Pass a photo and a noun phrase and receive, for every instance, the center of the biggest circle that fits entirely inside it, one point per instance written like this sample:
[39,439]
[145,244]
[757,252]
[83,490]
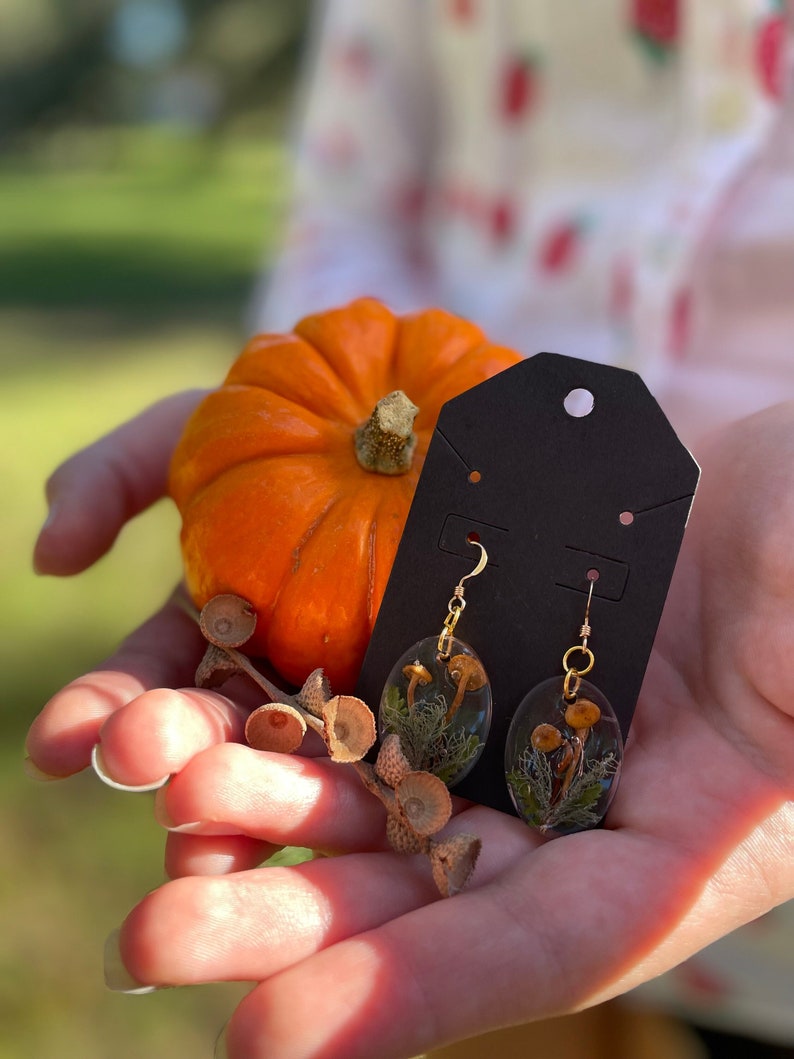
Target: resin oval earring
[437,697]
[564,747]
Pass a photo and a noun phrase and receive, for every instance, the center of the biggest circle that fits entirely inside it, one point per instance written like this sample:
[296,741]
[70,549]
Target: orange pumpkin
[275,504]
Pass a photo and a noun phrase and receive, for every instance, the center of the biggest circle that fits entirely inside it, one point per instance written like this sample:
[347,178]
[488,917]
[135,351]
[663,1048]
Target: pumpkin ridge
[382,521]
[357,374]
[330,417]
[296,551]
[448,338]
[199,493]
[321,624]
[371,609]
[332,371]
[271,372]
[306,412]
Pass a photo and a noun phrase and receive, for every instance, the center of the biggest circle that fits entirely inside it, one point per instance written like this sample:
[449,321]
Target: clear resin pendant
[563,757]
[440,706]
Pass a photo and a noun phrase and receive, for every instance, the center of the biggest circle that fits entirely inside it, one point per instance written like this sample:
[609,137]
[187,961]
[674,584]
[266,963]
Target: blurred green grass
[125,266]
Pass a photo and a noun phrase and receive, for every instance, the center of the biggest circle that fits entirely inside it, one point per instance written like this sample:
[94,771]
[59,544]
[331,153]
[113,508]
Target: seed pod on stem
[276,727]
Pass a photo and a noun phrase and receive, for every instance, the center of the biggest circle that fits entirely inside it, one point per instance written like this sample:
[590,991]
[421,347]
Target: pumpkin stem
[385,443]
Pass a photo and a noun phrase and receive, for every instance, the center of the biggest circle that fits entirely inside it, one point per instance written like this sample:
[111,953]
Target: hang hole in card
[579,402]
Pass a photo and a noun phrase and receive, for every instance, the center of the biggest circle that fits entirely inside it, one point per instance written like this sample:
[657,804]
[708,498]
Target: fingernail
[117,977]
[220,1046]
[209,828]
[35,773]
[98,765]
[52,514]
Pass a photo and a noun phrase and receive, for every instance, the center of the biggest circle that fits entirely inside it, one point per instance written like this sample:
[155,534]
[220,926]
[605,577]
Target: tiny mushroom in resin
[418,676]
[468,675]
[580,715]
[546,738]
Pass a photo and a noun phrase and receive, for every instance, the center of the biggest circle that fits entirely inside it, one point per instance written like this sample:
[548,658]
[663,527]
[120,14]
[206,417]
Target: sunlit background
[142,182]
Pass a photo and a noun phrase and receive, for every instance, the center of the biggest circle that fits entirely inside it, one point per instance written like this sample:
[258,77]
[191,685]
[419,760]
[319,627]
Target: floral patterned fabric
[612,180]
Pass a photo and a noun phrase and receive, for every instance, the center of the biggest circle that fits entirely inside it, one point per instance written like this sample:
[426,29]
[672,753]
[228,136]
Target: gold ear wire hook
[573,674]
[481,564]
[457,603]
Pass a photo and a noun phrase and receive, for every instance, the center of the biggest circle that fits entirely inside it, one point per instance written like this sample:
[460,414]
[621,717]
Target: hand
[91,497]
[356,956]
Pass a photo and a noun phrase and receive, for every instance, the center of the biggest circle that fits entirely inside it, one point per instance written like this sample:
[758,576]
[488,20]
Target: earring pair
[564,747]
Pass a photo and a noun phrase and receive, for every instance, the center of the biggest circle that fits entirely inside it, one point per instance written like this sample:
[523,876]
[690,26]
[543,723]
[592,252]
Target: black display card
[551,496]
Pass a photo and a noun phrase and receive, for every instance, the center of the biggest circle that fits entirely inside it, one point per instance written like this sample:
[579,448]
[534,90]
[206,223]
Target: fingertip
[58,745]
[160,731]
[117,978]
[69,541]
[50,557]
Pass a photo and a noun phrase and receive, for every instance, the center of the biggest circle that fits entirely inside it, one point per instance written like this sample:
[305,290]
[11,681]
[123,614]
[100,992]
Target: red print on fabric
[656,23]
[560,247]
[502,220]
[461,10]
[519,88]
[770,44]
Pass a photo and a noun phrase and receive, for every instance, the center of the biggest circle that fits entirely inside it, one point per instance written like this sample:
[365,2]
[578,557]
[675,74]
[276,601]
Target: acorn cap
[349,728]
[276,727]
[314,694]
[402,838]
[424,802]
[465,669]
[546,738]
[227,620]
[582,714]
[452,861]
[392,764]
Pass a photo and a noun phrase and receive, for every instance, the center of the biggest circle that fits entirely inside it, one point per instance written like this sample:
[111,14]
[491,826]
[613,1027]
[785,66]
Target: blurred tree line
[196,64]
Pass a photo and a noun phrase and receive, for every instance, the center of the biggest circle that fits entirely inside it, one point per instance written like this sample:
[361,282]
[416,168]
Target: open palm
[356,955]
